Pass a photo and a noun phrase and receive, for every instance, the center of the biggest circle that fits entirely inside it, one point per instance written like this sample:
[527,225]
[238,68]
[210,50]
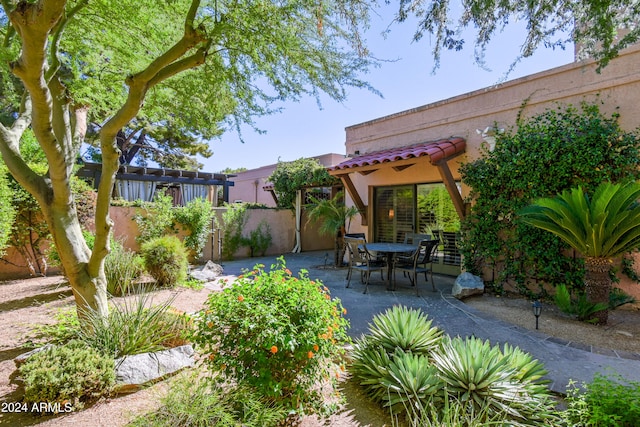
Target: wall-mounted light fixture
[392,213]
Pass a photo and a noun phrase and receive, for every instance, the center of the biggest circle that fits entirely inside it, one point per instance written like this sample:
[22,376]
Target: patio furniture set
[413,257]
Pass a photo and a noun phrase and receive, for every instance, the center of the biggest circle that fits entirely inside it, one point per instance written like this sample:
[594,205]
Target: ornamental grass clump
[275,332]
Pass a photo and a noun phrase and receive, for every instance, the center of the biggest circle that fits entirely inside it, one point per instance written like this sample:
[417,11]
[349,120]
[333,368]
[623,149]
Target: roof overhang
[437,152]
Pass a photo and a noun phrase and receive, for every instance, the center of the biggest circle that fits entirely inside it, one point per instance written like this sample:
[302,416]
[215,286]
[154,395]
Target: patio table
[389,250]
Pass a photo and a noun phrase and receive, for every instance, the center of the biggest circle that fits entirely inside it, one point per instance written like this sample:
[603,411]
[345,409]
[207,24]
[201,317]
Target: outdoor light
[391,213]
[537,309]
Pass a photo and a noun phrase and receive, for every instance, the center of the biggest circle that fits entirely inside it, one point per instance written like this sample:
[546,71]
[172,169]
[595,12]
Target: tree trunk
[339,248]
[598,285]
[89,290]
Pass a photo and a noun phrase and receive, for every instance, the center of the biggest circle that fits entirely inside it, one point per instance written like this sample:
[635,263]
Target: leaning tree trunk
[598,285]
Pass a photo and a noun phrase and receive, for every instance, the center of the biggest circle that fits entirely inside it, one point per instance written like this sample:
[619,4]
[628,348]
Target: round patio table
[389,250]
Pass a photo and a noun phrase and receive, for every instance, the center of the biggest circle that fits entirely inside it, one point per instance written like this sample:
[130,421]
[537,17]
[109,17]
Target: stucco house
[394,161]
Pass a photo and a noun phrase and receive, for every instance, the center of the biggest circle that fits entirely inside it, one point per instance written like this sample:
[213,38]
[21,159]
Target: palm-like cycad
[334,215]
[601,228]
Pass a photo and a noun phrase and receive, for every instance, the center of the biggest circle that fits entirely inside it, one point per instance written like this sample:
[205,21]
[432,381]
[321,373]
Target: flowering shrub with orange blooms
[276,332]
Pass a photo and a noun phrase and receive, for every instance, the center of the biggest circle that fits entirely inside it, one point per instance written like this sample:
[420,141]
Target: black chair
[360,259]
[420,262]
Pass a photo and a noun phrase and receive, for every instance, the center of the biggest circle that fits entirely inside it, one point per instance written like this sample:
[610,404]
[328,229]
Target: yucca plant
[499,383]
[405,328]
[601,227]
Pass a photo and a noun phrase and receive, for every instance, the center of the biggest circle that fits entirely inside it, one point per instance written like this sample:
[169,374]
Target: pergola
[138,182]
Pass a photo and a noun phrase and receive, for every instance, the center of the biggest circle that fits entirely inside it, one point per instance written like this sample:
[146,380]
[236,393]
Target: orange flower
[310,354]
[212,356]
[344,311]
[240,298]
[209,325]
[326,296]
[274,349]
[342,368]
[316,348]
[288,271]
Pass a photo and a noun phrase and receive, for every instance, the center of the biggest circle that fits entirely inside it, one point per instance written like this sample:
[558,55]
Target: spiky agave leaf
[370,364]
[412,382]
[502,383]
[405,328]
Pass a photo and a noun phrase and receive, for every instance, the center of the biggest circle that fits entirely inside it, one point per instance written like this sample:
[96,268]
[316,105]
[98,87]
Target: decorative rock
[207,272]
[134,371]
[466,285]
[24,356]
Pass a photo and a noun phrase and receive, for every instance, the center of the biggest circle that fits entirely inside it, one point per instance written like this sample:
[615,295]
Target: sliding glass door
[394,213]
[420,208]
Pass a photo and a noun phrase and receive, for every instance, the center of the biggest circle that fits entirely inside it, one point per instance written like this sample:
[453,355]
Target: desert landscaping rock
[207,273]
[466,285]
[137,370]
[24,356]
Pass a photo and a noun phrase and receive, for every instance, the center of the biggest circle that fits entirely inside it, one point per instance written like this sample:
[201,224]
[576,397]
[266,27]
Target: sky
[302,129]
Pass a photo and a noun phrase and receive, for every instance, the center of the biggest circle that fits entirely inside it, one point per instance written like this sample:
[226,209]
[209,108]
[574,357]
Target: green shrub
[196,218]
[276,333]
[232,223]
[259,239]
[157,219]
[121,268]
[63,330]
[165,258]
[133,327]
[70,374]
[197,402]
[7,211]
[606,401]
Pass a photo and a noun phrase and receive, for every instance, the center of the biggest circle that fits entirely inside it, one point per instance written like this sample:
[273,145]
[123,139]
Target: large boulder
[466,285]
[134,371]
[207,273]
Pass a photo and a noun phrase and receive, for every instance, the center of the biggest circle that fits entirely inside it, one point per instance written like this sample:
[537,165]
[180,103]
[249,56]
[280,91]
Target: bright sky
[304,130]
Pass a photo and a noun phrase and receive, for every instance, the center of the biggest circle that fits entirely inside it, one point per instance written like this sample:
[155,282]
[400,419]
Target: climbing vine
[288,177]
[556,150]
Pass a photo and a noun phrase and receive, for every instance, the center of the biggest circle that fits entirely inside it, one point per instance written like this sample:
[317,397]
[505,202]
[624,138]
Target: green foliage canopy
[289,177]
[559,149]
[600,28]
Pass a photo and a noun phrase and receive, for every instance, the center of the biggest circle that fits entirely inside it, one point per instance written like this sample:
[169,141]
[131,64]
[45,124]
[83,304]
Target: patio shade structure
[137,182]
[439,153]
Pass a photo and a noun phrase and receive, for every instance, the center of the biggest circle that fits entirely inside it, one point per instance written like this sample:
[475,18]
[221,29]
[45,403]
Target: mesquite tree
[67,63]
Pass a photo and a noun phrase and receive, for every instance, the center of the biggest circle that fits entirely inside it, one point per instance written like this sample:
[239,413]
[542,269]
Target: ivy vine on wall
[546,154]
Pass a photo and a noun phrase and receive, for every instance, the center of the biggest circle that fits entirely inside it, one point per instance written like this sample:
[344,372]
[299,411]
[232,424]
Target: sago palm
[601,228]
[333,216]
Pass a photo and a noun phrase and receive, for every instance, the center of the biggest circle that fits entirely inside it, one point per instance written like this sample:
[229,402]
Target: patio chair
[420,262]
[360,259]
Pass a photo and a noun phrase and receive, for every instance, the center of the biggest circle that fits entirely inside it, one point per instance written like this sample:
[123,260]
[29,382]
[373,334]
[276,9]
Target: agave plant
[601,228]
[493,382]
[370,364]
[411,383]
[405,328]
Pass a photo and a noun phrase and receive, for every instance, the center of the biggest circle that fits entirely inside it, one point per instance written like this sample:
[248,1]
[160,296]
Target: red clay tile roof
[436,150]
